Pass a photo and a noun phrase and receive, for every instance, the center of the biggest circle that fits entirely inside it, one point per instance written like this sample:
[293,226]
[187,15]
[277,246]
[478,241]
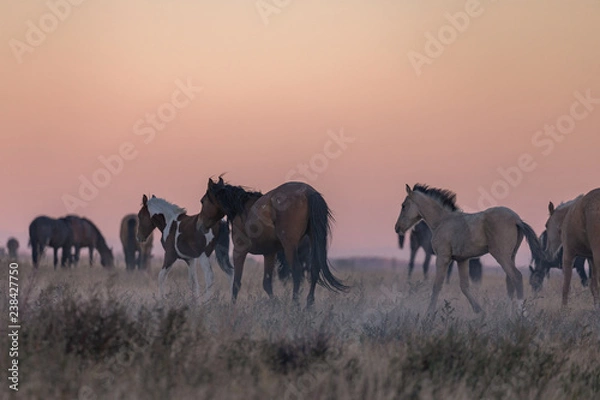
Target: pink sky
[272,92]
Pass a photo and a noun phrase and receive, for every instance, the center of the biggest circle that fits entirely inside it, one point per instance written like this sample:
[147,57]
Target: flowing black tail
[318,231]
[537,253]
[222,248]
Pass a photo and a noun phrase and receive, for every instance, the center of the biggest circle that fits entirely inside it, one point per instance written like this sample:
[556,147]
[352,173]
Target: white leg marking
[162,277]
[195,286]
[209,277]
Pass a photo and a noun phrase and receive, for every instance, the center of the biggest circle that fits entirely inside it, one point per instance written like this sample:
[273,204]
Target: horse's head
[554,229]
[145,224]
[537,271]
[106,258]
[409,213]
[212,211]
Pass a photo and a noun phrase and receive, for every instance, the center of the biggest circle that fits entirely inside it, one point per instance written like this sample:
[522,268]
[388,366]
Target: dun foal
[460,236]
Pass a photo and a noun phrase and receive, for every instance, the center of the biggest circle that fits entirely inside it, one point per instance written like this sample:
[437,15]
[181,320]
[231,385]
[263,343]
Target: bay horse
[86,234]
[266,224]
[136,253]
[56,233]
[542,271]
[420,237]
[181,240]
[579,235]
[13,249]
[461,236]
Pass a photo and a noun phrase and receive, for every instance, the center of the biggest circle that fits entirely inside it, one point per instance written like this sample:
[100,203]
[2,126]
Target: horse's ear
[153,196]
[210,182]
[531,269]
[221,180]
[408,190]
[144,200]
[551,208]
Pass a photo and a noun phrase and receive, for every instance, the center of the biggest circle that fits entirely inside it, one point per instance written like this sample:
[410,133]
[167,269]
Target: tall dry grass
[88,333]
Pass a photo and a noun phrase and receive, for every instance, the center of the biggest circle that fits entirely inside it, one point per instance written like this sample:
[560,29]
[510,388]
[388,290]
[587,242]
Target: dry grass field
[88,333]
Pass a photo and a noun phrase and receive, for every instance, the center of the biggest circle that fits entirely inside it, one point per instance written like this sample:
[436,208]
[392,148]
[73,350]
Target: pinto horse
[56,233]
[281,219]
[181,240]
[460,236]
[86,234]
[131,246]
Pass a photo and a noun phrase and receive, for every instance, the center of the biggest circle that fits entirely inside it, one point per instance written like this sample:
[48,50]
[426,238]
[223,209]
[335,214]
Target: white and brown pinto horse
[181,240]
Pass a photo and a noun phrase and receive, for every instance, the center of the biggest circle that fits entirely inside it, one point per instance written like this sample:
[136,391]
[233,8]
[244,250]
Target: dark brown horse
[579,235]
[13,249]
[266,224]
[56,233]
[540,269]
[86,234]
[136,253]
[420,237]
[181,240]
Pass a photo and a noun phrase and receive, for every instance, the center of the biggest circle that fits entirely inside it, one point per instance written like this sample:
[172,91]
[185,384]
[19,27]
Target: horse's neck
[432,212]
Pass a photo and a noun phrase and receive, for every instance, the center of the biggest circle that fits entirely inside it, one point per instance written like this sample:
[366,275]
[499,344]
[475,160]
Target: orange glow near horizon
[273,95]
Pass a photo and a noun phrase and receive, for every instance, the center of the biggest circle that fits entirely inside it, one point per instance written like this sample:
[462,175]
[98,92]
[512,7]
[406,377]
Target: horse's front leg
[209,276]
[269,260]
[239,258]
[567,272]
[55,257]
[168,262]
[442,262]
[463,276]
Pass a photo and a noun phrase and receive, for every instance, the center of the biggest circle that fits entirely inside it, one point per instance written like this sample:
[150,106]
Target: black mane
[232,199]
[446,197]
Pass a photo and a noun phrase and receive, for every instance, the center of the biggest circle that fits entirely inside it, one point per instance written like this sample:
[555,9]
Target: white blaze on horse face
[209,236]
[170,211]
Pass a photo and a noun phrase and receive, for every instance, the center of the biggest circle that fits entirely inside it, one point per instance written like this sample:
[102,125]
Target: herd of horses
[290,226]
[72,233]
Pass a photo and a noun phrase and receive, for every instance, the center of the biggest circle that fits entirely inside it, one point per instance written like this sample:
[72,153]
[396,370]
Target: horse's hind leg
[580,268]
[463,276]
[297,272]
[269,260]
[449,272]
[426,264]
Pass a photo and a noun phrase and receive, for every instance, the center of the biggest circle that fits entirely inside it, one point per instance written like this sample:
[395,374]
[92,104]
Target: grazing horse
[461,236]
[420,237]
[266,224]
[537,276]
[131,245]
[13,249]
[86,234]
[56,233]
[181,240]
[579,235]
